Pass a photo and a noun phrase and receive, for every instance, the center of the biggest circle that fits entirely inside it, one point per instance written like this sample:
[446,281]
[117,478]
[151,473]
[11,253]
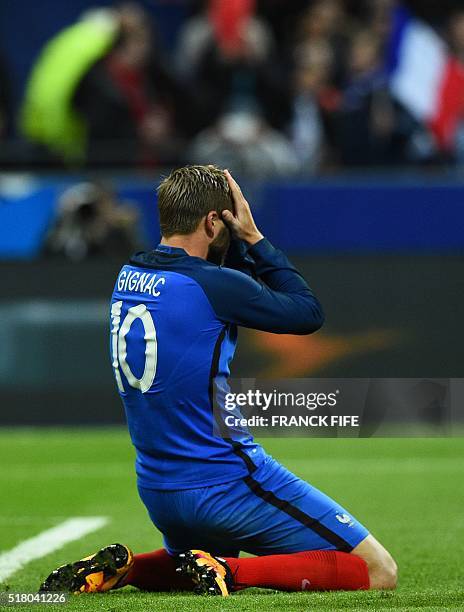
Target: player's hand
[241,224]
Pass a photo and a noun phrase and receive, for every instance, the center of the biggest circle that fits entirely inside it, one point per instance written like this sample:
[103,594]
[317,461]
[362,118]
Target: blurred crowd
[266,89]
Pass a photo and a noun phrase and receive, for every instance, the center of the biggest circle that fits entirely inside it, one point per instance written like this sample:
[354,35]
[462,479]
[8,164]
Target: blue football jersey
[174,324]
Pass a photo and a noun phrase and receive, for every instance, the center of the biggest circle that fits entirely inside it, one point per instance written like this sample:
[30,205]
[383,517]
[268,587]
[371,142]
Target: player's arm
[288,307]
[237,258]
[282,302]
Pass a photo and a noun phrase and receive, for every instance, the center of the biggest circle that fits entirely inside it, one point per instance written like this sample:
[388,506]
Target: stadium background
[379,235]
[373,214]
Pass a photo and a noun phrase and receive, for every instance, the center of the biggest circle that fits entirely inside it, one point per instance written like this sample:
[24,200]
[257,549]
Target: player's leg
[309,541]
[175,514]
[383,571]
[115,566]
[369,565]
[156,571]
[272,512]
[285,515]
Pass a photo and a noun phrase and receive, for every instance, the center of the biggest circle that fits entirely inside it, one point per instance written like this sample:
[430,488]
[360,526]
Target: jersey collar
[169,250]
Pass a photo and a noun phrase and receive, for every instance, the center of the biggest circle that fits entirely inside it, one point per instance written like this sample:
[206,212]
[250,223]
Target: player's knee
[383,573]
[381,566]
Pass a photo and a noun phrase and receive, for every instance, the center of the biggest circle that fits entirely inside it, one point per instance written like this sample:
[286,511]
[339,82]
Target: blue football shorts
[269,512]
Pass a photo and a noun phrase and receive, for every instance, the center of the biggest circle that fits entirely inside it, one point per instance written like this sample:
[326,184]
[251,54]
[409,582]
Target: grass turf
[409,492]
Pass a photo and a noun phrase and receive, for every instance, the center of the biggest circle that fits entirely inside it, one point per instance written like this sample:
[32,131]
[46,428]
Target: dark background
[387,316]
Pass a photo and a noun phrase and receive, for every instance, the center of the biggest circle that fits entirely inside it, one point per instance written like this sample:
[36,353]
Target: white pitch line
[46,542]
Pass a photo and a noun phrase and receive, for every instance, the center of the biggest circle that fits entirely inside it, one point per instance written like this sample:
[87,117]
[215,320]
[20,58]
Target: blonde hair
[190,193]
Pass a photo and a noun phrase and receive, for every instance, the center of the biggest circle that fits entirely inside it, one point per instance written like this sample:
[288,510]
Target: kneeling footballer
[174,318]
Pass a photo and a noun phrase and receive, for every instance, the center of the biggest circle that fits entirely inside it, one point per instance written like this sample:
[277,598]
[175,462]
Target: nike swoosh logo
[305,584]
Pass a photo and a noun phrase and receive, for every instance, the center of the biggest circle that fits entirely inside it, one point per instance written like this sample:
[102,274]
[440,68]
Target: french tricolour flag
[424,77]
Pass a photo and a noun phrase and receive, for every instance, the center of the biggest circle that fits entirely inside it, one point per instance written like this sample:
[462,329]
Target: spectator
[325,22]
[456,35]
[91,223]
[228,53]
[456,40]
[100,92]
[129,100]
[48,117]
[283,17]
[378,20]
[322,20]
[242,141]
[314,102]
[205,29]
[366,114]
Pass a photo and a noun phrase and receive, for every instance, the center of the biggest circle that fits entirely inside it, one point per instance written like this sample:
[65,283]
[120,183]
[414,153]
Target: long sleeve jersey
[174,321]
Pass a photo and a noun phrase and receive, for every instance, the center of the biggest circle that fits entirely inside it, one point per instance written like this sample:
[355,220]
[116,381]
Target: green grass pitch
[409,492]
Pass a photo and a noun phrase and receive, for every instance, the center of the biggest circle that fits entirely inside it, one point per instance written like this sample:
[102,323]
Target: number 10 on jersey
[119,332]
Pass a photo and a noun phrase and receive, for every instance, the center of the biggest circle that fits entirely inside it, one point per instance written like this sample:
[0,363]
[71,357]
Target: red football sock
[156,571]
[317,570]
